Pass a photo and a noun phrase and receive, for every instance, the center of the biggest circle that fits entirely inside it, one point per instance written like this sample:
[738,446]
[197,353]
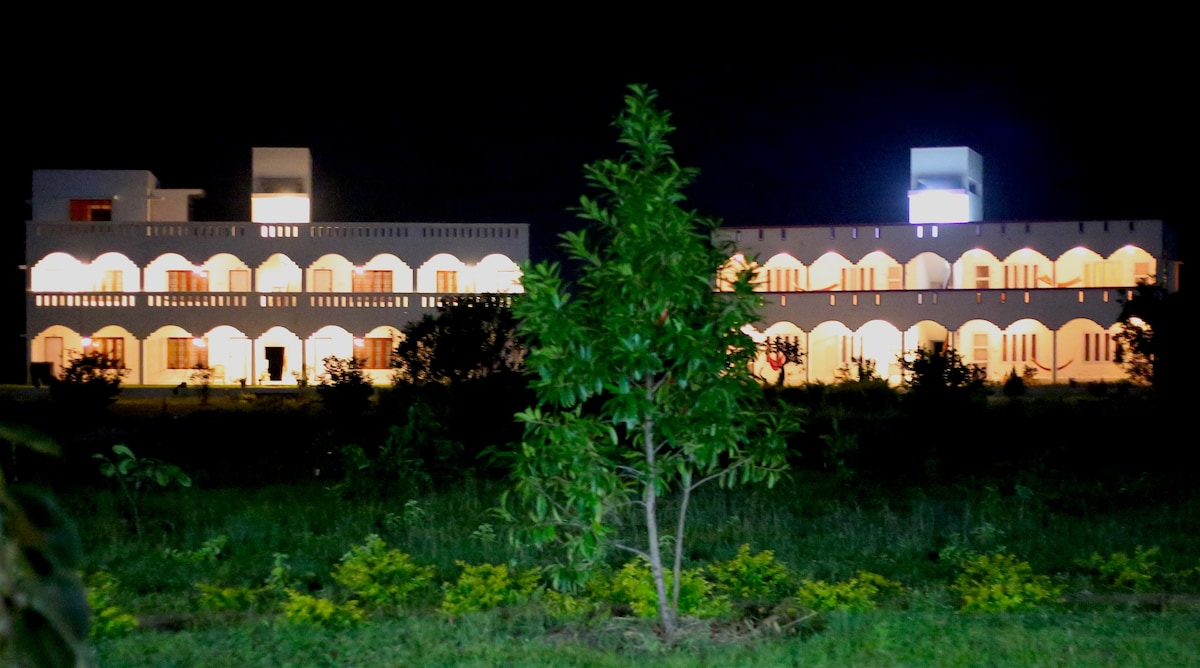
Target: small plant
[134,473]
[1001,583]
[485,534]
[1121,571]
[1014,385]
[488,586]
[208,552]
[751,577]
[858,594]
[413,515]
[380,577]
[108,621]
[633,586]
[307,610]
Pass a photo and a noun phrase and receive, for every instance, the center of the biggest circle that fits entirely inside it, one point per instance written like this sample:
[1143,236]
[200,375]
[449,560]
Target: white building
[116,265]
[1005,295]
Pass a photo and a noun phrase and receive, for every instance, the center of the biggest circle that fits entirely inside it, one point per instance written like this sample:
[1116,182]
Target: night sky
[1076,134]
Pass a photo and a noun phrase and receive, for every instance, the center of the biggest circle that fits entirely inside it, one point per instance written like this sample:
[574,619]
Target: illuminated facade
[1042,296]
[116,265]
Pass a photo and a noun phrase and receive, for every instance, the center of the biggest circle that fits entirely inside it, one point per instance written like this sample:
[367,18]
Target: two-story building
[116,265]
[1005,295]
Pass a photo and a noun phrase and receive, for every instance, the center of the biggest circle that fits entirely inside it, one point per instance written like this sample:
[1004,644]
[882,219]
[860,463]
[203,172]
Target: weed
[380,577]
[751,577]
[488,586]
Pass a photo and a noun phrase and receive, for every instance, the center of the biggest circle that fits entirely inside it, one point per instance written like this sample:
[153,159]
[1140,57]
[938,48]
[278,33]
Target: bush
[487,586]
[108,621]
[1000,583]
[751,577]
[307,610]
[1120,571]
[857,594]
[89,382]
[378,576]
[633,586]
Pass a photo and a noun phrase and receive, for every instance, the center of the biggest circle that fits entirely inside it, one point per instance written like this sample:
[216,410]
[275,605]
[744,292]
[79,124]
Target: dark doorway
[275,362]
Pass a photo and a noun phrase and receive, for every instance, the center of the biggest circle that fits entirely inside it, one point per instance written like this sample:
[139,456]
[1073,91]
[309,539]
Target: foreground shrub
[488,586]
[307,610]
[1000,583]
[380,577]
[273,590]
[108,621]
[1120,571]
[751,577]
[858,594]
[633,586]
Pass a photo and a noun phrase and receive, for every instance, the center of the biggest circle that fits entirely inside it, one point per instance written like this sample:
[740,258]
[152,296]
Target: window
[239,280]
[1018,348]
[187,281]
[447,281]
[377,353]
[979,349]
[783,280]
[91,210]
[1097,347]
[1020,276]
[372,281]
[113,281]
[895,278]
[184,353]
[112,347]
[983,276]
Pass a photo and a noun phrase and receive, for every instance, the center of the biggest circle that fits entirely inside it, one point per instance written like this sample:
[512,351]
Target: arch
[57,272]
[227,273]
[769,369]
[441,274]
[977,269]
[1086,352]
[1133,265]
[230,353]
[156,276]
[830,347]
[279,359]
[732,268]
[171,354]
[54,345]
[278,273]
[1026,344]
[1027,269]
[329,341]
[978,342]
[1071,267]
[927,271]
[497,273]
[782,273]
[827,272]
[875,271]
[882,343]
[114,272]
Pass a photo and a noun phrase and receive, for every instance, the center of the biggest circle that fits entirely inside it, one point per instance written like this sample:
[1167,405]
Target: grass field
[1119,543]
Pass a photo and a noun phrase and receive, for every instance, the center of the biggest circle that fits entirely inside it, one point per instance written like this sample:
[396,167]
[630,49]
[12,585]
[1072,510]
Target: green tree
[470,337]
[1150,343]
[642,375]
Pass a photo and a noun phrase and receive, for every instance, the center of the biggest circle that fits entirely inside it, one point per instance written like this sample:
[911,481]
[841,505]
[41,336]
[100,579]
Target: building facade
[1040,298]
[116,265]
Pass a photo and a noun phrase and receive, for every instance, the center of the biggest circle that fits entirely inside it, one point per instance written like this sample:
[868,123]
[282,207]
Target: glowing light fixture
[199,342]
[938,206]
[87,342]
[358,343]
[280,208]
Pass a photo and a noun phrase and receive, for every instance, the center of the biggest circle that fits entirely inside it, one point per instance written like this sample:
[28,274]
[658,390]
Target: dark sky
[806,139]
